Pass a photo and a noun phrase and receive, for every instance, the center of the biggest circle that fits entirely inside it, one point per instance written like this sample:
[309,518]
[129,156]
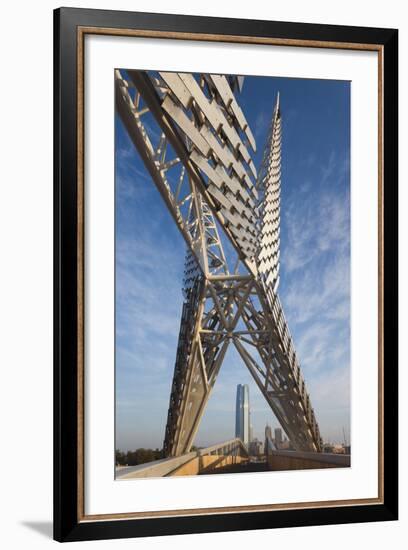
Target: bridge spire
[269,186]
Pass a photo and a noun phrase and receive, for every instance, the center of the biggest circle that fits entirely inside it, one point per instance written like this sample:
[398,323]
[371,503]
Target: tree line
[138,456]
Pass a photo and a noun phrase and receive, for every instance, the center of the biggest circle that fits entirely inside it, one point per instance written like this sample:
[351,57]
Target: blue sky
[315,271]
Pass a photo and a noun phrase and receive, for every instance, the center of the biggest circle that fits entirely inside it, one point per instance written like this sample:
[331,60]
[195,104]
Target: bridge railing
[216,456]
[299,460]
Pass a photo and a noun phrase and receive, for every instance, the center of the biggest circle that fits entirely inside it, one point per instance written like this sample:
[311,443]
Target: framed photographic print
[225,274]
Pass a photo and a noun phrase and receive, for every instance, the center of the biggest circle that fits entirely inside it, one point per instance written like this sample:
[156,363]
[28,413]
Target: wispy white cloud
[327,170]
[315,224]
[324,292]
[316,289]
[144,275]
[262,121]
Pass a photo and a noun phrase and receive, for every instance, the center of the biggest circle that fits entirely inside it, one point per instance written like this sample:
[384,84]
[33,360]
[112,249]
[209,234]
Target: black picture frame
[68,525]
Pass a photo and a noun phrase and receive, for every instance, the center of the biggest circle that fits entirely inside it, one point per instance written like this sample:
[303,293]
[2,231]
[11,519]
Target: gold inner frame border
[145,33]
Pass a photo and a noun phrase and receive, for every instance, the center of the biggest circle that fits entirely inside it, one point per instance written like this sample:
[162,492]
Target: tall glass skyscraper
[242,420]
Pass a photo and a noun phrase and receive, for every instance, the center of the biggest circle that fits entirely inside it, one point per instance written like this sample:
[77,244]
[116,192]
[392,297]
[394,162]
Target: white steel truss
[202,167]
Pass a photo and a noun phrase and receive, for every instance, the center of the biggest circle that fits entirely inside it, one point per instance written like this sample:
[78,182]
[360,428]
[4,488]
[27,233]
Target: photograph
[232,274]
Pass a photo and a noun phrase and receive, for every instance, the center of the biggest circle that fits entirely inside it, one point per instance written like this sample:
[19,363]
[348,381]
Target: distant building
[269,442]
[242,422]
[278,437]
[285,445]
[256,447]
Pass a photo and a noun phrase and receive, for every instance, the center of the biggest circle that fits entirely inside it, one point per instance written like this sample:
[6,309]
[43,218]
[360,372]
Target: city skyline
[315,249]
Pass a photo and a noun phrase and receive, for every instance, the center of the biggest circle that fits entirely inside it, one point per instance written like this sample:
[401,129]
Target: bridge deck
[232,457]
[243,468]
